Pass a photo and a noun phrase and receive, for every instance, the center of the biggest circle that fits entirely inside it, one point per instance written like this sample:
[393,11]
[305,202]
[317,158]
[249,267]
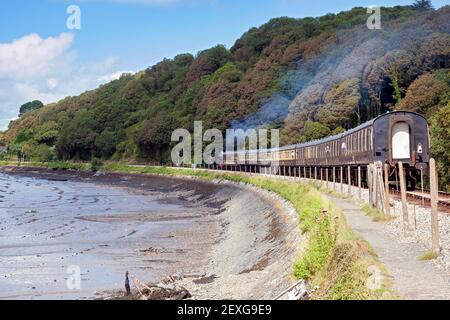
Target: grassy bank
[334,260]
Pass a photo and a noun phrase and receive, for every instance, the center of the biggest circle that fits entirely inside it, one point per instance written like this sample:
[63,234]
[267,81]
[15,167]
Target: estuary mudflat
[151,226]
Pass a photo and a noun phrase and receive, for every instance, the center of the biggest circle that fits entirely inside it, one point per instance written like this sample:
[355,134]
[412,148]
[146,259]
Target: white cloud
[52,83]
[30,92]
[31,55]
[113,76]
[32,68]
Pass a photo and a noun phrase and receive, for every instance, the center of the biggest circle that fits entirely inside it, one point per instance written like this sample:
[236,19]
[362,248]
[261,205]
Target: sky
[41,58]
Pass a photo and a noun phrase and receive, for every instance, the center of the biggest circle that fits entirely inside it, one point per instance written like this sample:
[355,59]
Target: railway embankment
[337,263]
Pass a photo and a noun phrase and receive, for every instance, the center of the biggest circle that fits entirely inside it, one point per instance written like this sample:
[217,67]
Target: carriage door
[401,141]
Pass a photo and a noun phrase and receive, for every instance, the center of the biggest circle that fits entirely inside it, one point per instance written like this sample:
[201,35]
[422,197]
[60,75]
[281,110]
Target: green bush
[96,164]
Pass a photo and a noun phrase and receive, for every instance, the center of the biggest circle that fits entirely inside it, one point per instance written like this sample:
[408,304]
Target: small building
[3,149]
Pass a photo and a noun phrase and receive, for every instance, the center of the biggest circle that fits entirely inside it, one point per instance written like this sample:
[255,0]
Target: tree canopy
[30,106]
[310,77]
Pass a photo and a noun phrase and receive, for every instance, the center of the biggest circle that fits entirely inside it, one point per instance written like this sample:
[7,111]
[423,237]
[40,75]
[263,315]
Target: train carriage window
[364,140]
[360,137]
[345,145]
[351,143]
[359,141]
[368,139]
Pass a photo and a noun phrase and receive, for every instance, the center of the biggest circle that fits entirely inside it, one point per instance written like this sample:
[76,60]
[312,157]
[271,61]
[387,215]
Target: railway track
[423,198]
[416,197]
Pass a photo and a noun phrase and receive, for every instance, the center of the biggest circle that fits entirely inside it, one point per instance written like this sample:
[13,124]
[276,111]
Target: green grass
[429,255]
[334,258]
[376,214]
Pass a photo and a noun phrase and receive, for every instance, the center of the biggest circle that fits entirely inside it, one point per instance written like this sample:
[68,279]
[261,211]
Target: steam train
[389,138]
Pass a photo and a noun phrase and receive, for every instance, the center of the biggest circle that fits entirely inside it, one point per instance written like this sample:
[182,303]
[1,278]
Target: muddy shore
[221,240]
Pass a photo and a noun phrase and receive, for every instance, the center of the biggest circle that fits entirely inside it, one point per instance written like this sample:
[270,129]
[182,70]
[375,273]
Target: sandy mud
[224,240]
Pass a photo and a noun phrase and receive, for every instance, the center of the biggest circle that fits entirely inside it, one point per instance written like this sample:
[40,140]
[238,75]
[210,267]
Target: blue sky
[41,59]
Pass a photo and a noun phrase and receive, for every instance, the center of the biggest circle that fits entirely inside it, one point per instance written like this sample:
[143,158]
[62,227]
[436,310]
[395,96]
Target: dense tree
[427,93]
[315,130]
[316,75]
[440,143]
[422,5]
[30,106]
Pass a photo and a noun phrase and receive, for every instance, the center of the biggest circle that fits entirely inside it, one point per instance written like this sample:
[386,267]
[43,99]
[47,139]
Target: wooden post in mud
[359,184]
[435,247]
[127,284]
[403,195]
[342,179]
[387,201]
[349,176]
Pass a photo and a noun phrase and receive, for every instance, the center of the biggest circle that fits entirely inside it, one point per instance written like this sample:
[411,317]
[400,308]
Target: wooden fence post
[403,194]
[321,177]
[326,177]
[370,184]
[359,183]
[334,178]
[434,208]
[349,177]
[386,190]
[380,187]
[342,179]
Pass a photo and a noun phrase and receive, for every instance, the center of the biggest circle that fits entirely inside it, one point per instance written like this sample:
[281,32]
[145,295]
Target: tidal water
[48,226]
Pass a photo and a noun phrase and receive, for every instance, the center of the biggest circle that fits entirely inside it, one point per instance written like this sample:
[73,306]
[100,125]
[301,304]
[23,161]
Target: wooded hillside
[310,77]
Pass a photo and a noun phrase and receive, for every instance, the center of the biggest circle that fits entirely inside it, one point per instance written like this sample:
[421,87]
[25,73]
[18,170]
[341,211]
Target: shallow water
[47,226]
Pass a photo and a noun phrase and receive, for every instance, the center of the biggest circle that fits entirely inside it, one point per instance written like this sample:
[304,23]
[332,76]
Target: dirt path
[412,278]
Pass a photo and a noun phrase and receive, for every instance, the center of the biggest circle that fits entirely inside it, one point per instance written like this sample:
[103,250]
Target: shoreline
[252,238]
